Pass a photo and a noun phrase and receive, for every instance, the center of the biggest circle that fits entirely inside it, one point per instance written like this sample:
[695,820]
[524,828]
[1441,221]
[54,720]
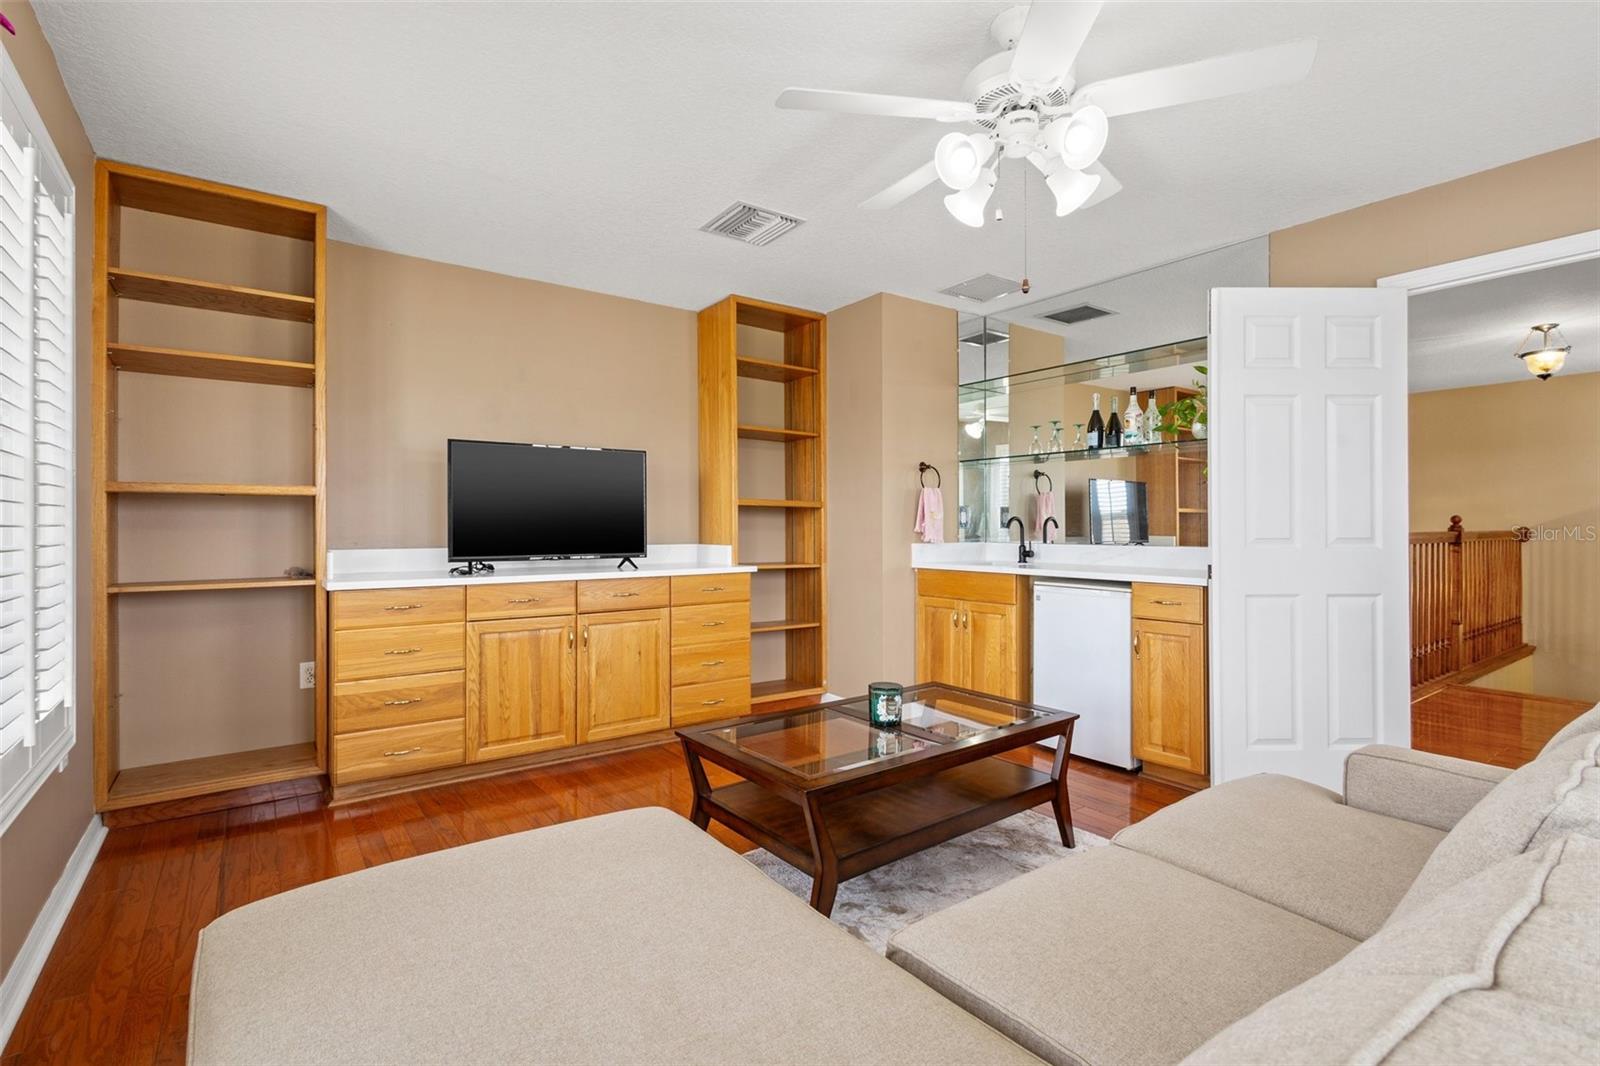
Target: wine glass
[1077,437]
[1055,435]
[1037,446]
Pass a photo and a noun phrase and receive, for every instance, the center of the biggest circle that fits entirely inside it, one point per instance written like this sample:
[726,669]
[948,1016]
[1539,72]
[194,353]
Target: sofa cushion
[1113,957]
[1500,968]
[631,937]
[1292,844]
[1587,722]
[1555,794]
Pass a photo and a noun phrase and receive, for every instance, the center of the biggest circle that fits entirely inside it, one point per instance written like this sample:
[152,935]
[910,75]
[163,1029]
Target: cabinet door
[521,683]
[941,642]
[624,664]
[1169,694]
[992,652]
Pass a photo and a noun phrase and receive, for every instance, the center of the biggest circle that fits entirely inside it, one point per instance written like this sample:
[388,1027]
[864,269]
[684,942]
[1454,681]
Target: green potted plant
[1187,413]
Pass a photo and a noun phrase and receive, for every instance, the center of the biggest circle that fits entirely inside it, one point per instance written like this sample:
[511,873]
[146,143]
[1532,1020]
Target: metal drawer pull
[525,599]
[402,751]
[712,703]
[403,607]
[715,588]
[401,703]
[1136,642]
[711,625]
[1167,603]
[570,638]
[713,662]
[403,651]
[623,595]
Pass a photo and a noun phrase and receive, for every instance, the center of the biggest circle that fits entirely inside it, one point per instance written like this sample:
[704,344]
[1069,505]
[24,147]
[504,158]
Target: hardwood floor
[1488,725]
[115,988]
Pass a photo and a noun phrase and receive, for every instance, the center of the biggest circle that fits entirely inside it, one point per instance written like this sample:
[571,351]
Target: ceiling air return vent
[751,224]
[1071,316]
[983,288]
[986,336]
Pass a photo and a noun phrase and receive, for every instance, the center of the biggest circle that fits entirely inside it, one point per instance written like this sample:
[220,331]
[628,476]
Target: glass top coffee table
[835,796]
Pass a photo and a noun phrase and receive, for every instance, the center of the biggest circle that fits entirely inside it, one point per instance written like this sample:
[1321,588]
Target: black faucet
[1045,532]
[1024,553]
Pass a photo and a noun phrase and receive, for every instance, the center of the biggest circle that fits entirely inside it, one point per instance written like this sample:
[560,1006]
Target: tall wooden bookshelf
[793,361]
[117,187]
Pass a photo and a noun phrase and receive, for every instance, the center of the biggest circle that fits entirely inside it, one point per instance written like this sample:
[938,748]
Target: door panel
[624,660]
[941,643]
[1309,523]
[520,686]
[1169,694]
[991,636]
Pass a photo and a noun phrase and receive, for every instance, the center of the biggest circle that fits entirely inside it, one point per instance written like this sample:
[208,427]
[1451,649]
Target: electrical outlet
[308,675]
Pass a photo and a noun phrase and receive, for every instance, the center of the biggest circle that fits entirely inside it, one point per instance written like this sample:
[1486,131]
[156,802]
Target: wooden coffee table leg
[1059,802]
[825,875]
[701,787]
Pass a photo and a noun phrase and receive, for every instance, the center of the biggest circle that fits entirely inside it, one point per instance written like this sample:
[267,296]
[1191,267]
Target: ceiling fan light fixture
[1080,138]
[959,159]
[1071,188]
[966,206]
[1544,357]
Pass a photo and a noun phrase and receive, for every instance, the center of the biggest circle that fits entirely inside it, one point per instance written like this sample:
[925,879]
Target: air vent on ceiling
[1071,316]
[986,337]
[751,224]
[982,288]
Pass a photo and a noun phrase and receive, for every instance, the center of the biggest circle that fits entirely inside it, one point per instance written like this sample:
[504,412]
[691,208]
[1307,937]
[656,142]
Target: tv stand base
[627,560]
[474,567]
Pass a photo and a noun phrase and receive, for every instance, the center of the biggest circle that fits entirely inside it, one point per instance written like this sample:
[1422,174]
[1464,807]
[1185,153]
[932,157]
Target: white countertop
[1084,562]
[353,569]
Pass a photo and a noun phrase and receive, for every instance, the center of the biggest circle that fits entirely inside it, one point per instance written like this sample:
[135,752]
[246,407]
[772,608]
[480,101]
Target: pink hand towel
[1044,506]
[930,515]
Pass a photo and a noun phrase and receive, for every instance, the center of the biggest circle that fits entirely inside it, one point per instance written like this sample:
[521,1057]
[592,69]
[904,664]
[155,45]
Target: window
[37,719]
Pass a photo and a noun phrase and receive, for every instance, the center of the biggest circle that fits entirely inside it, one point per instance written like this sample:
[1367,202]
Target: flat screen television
[1117,512]
[542,501]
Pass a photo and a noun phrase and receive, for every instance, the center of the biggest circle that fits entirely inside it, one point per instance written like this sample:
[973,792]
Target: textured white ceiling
[584,143]
[1470,335]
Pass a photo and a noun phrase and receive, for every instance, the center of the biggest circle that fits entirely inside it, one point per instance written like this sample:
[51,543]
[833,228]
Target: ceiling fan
[1027,105]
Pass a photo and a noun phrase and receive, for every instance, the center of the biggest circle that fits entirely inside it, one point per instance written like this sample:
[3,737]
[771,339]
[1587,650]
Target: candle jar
[884,700]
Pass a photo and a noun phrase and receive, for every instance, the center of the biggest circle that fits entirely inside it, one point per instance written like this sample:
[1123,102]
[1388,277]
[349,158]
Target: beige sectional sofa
[1440,911]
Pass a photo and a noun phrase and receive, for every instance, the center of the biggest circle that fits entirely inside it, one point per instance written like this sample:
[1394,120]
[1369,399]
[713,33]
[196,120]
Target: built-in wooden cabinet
[624,676]
[972,632]
[1169,677]
[434,678]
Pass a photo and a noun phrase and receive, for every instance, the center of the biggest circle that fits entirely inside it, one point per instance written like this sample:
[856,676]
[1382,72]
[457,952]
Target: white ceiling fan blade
[1204,79]
[849,103]
[1052,35]
[1109,185]
[913,182]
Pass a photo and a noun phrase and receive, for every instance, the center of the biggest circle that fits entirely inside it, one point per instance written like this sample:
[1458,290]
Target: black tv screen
[535,501]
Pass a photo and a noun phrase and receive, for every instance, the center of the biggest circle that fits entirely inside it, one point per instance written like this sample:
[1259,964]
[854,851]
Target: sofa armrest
[1416,786]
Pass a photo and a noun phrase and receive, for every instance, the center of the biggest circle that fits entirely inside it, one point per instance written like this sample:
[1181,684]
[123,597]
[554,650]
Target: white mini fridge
[1082,661]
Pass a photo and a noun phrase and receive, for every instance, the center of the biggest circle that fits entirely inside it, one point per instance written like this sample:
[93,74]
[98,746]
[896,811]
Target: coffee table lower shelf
[878,827]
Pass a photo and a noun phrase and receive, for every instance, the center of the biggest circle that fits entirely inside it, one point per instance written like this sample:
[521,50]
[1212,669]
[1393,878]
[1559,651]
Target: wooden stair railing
[1466,598]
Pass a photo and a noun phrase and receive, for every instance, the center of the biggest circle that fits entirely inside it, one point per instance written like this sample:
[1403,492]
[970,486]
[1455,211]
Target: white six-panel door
[1310,638]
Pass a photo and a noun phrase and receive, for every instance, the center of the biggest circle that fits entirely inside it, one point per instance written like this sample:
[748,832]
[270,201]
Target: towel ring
[922,475]
[1037,474]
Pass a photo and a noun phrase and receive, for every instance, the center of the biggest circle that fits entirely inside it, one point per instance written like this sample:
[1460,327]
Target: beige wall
[34,851]
[891,405]
[1525,454]
[1532,200]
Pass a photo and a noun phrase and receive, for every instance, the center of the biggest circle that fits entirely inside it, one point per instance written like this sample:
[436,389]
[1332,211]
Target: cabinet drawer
[405,749]
[966,585]
[710,623]
[398,651]
[694,664]
[705,703]
[624,594]
[386,702]
[530,599]
[1170,603]
[711,588]
[397,607]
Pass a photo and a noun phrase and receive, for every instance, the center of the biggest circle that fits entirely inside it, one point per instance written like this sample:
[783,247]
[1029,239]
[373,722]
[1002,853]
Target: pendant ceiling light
[959,157]
[968,204]
[1080,138]
[1541,355]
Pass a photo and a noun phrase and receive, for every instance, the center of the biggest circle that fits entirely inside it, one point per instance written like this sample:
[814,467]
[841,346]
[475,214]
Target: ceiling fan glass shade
[967,205]
[1071,188]
[1080,138]
[1543,357]
[959,159]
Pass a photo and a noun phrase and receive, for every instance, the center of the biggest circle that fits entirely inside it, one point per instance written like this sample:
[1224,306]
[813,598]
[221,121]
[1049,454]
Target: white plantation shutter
[36,452]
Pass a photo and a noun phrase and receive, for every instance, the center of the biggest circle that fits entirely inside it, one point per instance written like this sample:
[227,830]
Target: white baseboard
[25,968]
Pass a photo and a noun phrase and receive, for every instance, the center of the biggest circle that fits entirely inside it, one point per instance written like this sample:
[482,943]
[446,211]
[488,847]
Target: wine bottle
[1133,431]
[1096,429]
[1152,419]
[1114,427]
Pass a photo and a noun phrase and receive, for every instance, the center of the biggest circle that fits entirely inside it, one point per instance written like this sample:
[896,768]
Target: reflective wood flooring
[1488,725]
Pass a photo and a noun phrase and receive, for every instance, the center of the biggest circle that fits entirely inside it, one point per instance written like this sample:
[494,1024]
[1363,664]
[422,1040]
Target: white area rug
[877,904]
